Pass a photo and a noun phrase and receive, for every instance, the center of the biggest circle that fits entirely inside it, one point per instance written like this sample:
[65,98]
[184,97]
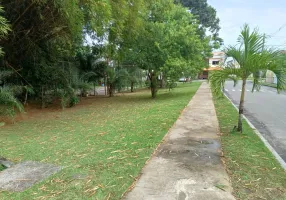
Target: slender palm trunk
[153,85]
[42,98]
[26,97]
[241,106]
[111,90]
[162,83]
[132,86]
[105,85]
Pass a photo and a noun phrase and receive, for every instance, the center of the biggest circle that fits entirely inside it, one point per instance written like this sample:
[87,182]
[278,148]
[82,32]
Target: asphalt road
[266,110]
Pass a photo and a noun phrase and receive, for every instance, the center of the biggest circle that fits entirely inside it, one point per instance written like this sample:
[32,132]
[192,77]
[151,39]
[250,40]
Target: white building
[217,59]
[214,63]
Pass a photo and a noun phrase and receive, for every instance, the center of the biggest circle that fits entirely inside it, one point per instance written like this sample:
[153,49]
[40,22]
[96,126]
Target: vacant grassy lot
[254,172]
[105,141]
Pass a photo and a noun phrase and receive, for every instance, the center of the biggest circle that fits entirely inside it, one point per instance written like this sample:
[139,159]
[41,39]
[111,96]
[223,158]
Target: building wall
[218,57]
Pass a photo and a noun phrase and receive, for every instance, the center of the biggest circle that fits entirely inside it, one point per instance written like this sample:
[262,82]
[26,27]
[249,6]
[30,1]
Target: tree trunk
[132,86]
[105,85]
[94,88]
[42,96]
[26,97]
[111,90]
[153,84]
[162,82]
[241,106]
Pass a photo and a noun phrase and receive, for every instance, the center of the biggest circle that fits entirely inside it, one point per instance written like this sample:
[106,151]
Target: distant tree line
[45,53]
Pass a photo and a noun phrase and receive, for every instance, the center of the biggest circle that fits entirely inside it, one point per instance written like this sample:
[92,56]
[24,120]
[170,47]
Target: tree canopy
[46,48]
[207,17]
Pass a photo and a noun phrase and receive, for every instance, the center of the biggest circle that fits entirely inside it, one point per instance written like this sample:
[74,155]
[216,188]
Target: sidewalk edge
[266,143]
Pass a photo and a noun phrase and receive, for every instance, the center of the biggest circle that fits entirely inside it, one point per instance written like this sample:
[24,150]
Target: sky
[268,15]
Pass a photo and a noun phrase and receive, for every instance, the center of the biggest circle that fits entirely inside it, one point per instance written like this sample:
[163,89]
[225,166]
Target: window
[215,62]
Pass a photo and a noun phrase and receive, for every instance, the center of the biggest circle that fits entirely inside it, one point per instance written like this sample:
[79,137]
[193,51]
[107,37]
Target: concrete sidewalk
[187,166]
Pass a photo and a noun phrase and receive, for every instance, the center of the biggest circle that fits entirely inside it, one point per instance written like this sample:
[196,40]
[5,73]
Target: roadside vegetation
[255,173]
[253,57]
[273,85]
[102,144]
[59,51]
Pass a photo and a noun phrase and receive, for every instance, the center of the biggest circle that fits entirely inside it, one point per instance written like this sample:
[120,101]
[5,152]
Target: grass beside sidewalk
[103,141]
[255,174]
[1,167]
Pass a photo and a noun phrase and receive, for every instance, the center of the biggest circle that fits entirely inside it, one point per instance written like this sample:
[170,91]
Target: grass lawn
[254,172]
[108,140]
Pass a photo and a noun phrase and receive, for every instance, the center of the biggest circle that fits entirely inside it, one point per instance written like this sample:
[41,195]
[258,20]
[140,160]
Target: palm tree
[252,56]
[8,102]
[116,79]
[92,65]
[134,76]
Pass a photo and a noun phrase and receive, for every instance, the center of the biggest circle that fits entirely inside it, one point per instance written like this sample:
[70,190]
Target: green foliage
[4,28]
[206,16]
[116,79]
[109,140]
[49,55]
[170,43]
[67,97]
[9,104]
[252,56]
[92,66]
[84,88]
[247,159]
[206,13]
[171,84]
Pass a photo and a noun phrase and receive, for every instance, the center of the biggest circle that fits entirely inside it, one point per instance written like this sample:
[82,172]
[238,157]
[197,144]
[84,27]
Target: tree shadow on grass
[162,96]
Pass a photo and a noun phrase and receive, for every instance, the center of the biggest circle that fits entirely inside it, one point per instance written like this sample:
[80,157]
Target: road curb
[266,143]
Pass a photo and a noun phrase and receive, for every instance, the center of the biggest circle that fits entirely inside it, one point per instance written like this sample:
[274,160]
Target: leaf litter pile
[103,143]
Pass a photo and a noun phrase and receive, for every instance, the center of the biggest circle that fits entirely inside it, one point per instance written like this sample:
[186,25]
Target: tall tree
[169,41]
[44,39]
[206,15]
[8,103]
[251,56]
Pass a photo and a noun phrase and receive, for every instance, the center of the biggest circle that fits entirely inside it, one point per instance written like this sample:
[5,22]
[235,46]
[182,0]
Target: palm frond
[234,78]
[4,28]
[5,74]
[218,78]
[251,42]
[235,53]
[278,67]
[256,81]
[8,102]
[250,52]
[88,75]
[29,89]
